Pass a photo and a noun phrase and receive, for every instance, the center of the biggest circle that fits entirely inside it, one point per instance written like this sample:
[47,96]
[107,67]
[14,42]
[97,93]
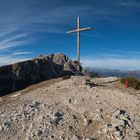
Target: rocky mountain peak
[20,75]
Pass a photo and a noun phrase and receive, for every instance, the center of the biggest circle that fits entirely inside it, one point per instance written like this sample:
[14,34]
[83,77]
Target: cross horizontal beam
[79,30]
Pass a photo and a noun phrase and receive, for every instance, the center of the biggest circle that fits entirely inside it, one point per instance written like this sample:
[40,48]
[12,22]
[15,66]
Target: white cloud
[132,4]
[6,30]
[112,63]
[9,45]
[13,41]
[13,38]
[5,60]
[21,53]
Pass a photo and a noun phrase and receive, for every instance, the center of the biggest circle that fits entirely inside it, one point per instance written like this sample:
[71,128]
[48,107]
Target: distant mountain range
[116,72]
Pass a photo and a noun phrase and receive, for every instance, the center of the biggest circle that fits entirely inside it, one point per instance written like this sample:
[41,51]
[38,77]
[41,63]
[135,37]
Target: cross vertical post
[78,31]
[78,39]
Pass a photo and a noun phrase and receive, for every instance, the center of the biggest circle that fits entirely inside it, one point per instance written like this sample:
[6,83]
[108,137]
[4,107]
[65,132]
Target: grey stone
[75,137]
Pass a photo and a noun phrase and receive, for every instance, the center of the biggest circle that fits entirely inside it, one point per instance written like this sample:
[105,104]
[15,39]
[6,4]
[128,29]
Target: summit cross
[78,30]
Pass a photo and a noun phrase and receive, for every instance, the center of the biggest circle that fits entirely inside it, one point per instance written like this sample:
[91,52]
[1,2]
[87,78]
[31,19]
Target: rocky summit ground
[79,108]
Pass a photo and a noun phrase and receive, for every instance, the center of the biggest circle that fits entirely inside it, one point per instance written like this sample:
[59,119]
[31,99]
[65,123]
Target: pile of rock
[30,119]
[120,126]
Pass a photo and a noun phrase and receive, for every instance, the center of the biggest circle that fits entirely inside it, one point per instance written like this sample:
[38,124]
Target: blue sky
[29,28]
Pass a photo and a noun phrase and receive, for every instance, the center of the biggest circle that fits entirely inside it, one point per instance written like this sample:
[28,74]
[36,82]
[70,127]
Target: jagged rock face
[20,75]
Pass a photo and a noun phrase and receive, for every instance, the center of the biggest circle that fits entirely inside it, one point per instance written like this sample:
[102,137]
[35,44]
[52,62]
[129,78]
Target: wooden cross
[78,30]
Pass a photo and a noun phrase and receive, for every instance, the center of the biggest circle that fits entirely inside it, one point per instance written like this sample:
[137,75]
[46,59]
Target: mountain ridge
[20,75]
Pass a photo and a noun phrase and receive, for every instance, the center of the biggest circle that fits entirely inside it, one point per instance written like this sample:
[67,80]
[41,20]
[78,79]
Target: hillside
[79,108]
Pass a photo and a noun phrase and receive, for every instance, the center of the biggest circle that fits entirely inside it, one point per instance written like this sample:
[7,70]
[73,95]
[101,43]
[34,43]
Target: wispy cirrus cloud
[13,41]
[21,53]
[10,40]
[14,38]
[9,45]
[119,60]
[112,63]
[120,55]
[5,60]
[129,4]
